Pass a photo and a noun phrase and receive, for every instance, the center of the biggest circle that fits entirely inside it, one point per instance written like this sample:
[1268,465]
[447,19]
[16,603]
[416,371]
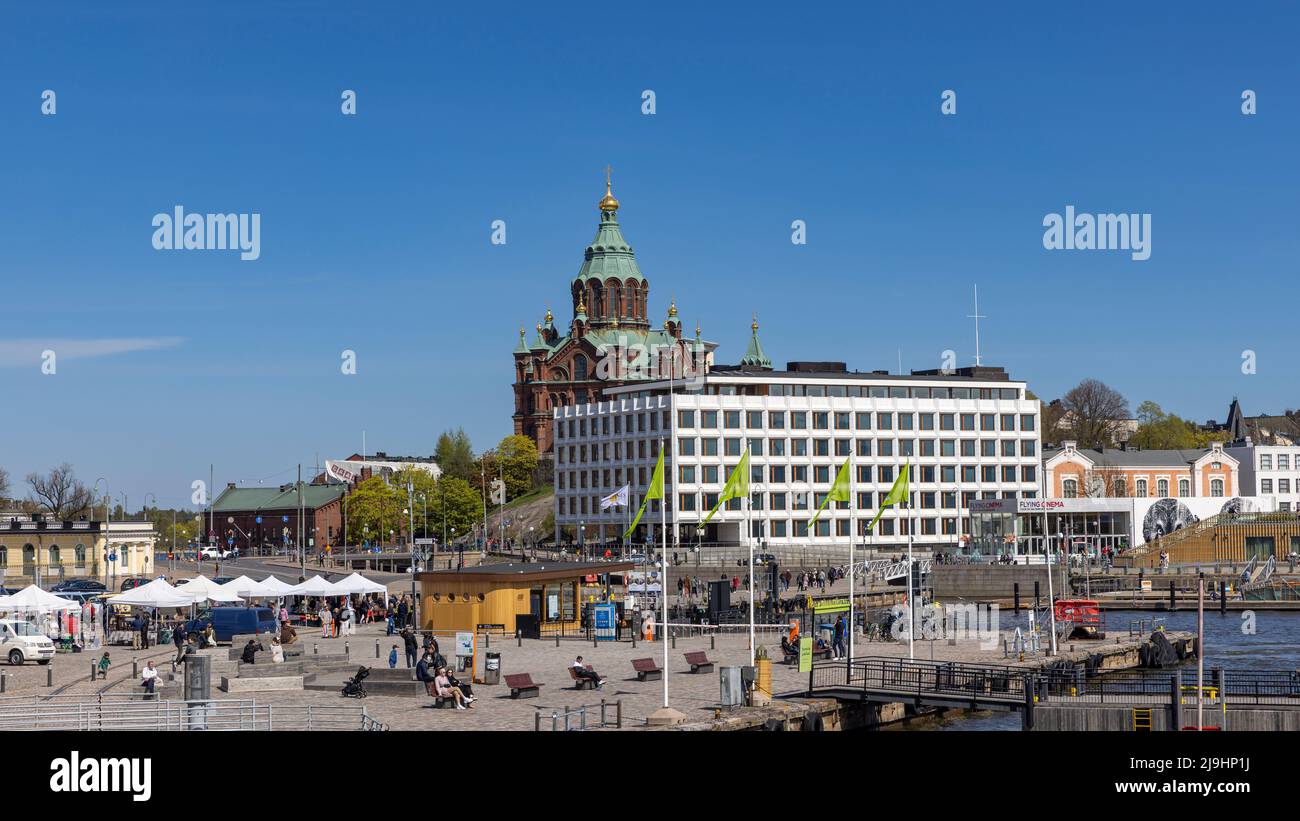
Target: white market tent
[315,586]
[32,599]
[356,583]
[271,586]
[246,587]
[201,588]
[157,593]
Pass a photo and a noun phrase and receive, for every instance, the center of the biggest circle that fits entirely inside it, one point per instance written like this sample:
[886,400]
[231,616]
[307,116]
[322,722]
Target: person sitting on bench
[445,689]
[457,683]
[581,671]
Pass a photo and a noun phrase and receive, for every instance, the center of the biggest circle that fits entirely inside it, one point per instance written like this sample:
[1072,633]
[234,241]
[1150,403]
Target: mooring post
[519,638]
[1036,594]
[135,668]
[49,675]
[1027,712]
[1223,597]
[376,648]
[1173,601]
[711,647]
[1016,588]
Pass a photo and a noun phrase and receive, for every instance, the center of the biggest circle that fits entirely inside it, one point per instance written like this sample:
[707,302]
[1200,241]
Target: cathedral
[609,342]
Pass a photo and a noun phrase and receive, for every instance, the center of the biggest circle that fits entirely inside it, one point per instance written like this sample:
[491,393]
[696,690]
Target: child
[391,624]
[103,665]
[392,658]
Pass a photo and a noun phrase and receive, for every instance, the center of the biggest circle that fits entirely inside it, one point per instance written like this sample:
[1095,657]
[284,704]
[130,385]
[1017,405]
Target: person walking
[178,639]
[412,648]
[325,618]
[838,650]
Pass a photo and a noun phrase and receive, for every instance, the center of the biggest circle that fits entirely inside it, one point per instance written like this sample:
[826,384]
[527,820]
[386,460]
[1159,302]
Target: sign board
[606,617]
[831,606]
[465,644]
[805,654]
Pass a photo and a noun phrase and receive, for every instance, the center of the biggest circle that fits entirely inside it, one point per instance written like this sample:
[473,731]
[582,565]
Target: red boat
[1084,616]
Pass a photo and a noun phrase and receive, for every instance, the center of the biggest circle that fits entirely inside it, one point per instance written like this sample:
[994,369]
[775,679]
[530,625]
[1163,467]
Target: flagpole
[911,601]
[749,533]
[853,535]
[663,562]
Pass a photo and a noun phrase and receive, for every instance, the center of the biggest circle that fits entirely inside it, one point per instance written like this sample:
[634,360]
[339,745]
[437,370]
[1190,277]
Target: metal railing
[604,714]
[124,713]
[988,683]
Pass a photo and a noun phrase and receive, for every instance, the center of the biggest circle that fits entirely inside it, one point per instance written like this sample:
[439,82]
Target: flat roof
[515,571]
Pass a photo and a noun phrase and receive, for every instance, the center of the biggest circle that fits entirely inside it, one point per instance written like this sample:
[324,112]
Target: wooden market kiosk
[525,596]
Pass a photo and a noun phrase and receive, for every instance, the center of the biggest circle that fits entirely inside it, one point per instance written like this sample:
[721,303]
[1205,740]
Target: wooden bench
[438,701]
[699,662]
[647,670]
[522,685]
[580,683]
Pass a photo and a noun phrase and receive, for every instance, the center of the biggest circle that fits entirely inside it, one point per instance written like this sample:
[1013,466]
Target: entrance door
[29,561]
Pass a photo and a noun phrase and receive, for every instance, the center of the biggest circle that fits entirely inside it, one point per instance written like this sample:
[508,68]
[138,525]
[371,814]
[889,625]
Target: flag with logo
[655,491]
[616,499]
[737,486]
[839,491]
[897,494]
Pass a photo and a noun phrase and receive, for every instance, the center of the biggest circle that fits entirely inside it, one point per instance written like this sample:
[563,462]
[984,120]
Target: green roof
[754,356]
[609,256]
[272,498]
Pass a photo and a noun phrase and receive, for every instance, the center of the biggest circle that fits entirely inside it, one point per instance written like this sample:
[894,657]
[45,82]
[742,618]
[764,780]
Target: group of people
[438,680]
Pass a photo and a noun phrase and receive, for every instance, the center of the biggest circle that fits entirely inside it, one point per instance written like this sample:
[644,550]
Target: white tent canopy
[32,599]
[271,586]
[201,588]
[316,586]
[157,593]
[356,583]
[245,587]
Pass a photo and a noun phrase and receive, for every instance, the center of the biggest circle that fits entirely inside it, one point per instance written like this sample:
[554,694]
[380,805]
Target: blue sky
[375,228]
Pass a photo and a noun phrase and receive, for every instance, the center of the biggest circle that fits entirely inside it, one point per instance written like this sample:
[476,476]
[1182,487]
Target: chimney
[230,485]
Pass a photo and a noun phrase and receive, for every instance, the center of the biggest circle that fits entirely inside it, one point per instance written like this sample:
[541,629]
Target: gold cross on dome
[608,171]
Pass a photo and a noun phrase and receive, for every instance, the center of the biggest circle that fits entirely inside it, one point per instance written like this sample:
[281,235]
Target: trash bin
[492,669]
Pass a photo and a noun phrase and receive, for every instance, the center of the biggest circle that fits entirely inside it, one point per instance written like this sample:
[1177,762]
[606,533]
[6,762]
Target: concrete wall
[1092,718]
[985,582]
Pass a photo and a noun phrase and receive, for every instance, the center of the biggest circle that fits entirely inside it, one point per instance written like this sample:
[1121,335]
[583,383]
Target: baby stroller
[353,688]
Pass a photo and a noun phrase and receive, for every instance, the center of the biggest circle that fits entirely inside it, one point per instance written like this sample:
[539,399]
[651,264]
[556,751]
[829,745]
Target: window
[821,447]
[1028,447]
[685,419]
[885,421]
[821,474]
[687,474]
[885,447]
[1162,488]
[798,447]
[821,420]
[926,421]
[777,447]
[777,501]
[843,447]
[776,474]
[968,421]
[686,447]
[988,448]
[927,447]
[1008,473]
[1265,485]
[708,419]
[884,474]
[756,446]
[862,420]
[709,447]
[905,447]
[1184,487]
[1008,421]
[989,473]
[1140,488]
[1284,462]
[798,420]
[710,473]
[686,501]
[947,447]
[776,419]
[731,419]
[986,421]
[1119,488]
[754,419]
[1216,487]
[905,421]
[1283,485]
[968,447]
[841,420]
[1266,461]
[947,421]
[1026,422]
[732,446]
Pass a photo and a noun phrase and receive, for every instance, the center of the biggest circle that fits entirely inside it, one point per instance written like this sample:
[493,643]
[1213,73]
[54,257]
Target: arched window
[1162,488]
[1070,489]
[1216,487]
[29,560]
[1119,488]
[79,556]
[1141,486]
[55,559]
[4,556]
[1184,488]
[579,367]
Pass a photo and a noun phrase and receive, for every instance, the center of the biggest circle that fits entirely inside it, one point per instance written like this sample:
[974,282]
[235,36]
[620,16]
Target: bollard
[315,649]
[49,675]
[487,641]
[2,677]
[711,647]
[1223,597]
[1016,590]
[557,639]
[135,668]
[633,639]
[519,638]
[594,641]
[1173,602]
[376,648]
[347,651]
[674,642]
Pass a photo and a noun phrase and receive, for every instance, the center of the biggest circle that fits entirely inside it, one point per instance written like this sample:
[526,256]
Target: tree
[459,507]
[423,495]
[1164,431]
[455,454]
[517,457]
[374,508]
[60,493]
[1093,413]
[1054,431]
[4,484]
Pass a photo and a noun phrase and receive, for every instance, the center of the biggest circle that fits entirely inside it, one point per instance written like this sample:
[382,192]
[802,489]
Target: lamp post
[230,520]
[460,552]
[146,502]
[106,519]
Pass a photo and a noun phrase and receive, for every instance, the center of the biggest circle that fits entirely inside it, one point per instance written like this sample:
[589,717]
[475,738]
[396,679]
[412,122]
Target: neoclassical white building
[968,434]
[41,549]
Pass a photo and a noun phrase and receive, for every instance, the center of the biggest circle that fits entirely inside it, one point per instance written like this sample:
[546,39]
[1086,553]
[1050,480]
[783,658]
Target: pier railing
[974,682]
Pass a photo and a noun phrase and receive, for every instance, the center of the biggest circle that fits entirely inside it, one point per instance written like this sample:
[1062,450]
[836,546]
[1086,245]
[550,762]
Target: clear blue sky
[375,228]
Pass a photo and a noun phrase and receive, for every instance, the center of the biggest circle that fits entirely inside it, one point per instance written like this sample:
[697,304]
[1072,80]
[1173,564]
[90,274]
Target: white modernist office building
[968,434]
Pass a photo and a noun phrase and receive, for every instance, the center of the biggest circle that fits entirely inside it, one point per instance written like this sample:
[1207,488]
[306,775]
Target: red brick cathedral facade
[609,341]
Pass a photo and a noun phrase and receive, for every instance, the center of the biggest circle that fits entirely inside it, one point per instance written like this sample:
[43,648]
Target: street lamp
[460,552]
[107,517]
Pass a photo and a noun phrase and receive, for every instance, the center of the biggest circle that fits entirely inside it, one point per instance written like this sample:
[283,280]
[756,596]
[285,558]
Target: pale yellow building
[40,549]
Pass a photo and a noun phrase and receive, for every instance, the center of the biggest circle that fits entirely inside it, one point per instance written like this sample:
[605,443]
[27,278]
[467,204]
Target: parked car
[20,641]
[216,553]
[80,586]
[132,582]
[231,621]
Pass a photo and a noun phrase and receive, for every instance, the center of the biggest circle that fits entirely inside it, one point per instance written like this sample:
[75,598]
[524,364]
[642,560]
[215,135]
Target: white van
[20,641]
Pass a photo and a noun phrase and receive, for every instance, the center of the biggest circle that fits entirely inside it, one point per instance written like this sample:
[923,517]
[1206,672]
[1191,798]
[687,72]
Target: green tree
[423,495]
[1164,431]
[455,454]
[455,504]
[1093,413]
[374,508]
[517,456]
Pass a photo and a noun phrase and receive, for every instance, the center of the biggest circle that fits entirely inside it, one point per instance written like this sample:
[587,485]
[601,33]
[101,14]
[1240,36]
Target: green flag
[839,491]
[737,486]
[655,491]
[897,493]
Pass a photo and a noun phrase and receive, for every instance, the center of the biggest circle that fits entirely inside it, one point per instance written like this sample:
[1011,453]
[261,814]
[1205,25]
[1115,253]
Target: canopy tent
[356,583]
[245,587]
[316,586]
[272,586]
[32,599]
[157,593]
[201,588]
